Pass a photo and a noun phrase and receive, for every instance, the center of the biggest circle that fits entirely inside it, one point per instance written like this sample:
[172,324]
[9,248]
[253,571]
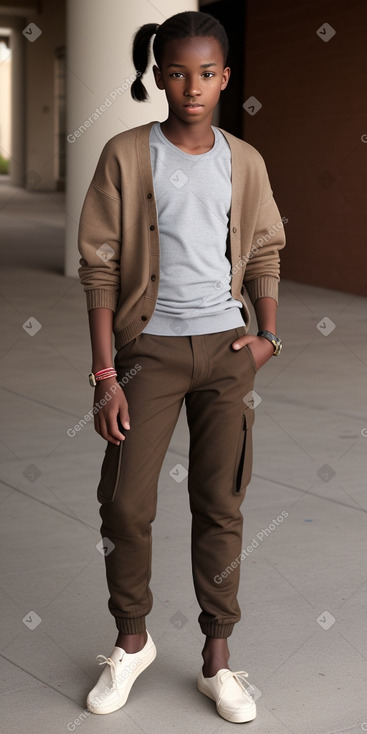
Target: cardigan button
[144,318]
[149,196]
[152,227]
[234,229]
[153,277]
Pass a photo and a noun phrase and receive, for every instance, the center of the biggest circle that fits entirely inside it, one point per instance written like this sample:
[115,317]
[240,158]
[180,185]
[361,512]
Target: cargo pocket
[110,472]
[243,467]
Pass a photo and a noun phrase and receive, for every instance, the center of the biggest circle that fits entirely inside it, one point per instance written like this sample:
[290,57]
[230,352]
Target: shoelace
[242,674]
[112,665]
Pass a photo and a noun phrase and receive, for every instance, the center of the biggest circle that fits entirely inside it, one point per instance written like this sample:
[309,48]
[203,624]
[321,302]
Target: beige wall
[40,111]
[33,148]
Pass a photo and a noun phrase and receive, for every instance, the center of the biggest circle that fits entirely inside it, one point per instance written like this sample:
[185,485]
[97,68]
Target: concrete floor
[303,593]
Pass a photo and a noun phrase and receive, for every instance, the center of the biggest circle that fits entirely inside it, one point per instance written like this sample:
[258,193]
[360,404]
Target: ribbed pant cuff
[130,626]
[211,629]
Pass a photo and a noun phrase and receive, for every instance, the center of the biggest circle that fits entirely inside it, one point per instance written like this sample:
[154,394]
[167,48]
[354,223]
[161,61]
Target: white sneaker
[232,700]
[122,669]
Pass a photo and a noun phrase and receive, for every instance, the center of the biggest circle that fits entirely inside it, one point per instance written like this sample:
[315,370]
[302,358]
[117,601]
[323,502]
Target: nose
[192,88]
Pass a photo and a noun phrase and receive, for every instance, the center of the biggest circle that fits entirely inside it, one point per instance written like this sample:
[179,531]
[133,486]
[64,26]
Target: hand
[261,348]
[115,405]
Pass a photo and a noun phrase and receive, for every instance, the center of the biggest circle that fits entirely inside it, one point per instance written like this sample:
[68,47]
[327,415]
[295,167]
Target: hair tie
[156,28]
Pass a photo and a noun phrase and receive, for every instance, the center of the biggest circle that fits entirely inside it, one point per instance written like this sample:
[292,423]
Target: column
[18,122]
[99,38]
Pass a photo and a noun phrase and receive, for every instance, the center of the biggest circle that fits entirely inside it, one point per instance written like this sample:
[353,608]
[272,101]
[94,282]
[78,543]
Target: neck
[191,135]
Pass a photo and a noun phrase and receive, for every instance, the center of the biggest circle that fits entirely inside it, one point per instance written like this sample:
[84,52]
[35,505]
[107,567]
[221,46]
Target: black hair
[182,25]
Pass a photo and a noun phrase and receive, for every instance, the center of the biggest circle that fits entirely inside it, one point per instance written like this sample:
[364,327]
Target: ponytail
[188,24]
[141,58]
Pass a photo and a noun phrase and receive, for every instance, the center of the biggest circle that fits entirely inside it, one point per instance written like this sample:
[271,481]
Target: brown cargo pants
[156,374]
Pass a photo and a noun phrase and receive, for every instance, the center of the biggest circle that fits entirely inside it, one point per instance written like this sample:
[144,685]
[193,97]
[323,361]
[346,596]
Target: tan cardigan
[119,239]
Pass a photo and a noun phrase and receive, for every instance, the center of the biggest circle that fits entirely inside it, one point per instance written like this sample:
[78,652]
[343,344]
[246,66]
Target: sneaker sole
[235,717]
[151,655]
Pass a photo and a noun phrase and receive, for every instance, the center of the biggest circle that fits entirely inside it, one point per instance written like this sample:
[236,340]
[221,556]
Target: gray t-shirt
[193,197]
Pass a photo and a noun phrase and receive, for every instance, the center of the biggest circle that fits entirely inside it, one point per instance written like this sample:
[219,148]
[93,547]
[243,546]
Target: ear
[225,77]
[158,77]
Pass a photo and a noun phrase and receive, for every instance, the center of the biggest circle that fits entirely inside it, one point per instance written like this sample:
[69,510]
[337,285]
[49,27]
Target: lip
[193,107]
[195,104]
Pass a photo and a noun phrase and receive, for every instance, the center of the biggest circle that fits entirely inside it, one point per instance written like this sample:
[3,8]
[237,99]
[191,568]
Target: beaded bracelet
[105,373]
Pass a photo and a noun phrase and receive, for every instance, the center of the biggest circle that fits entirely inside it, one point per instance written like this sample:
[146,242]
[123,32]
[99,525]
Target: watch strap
[275,340]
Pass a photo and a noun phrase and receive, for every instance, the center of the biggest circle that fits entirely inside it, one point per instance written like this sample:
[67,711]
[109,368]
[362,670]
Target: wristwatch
[275,340]
[92,380]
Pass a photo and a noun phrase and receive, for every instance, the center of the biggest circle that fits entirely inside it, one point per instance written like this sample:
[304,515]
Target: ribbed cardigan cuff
[101,298]
[265,286]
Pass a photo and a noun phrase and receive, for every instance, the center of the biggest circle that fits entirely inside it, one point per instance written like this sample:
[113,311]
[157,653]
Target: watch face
[278,346]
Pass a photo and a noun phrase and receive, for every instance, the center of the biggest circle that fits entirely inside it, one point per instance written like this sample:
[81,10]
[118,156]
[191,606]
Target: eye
[209,72]
[176,74]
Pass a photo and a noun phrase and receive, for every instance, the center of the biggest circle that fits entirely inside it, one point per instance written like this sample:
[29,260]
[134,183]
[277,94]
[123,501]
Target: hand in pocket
[260,348]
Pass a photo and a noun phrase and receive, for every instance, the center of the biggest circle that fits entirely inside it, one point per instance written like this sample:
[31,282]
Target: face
[192,76]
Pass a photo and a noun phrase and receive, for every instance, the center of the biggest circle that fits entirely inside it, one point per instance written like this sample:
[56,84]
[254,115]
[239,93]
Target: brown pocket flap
[110,472]
[249,414]
[245,453]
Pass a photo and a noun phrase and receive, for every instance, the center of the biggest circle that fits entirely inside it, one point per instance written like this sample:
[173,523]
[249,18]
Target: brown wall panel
[314,113]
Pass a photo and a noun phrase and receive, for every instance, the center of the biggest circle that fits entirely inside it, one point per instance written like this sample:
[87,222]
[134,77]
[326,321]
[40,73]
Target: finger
[106,432]
[102,428]
[239,343]
[113,428]
[124,417]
